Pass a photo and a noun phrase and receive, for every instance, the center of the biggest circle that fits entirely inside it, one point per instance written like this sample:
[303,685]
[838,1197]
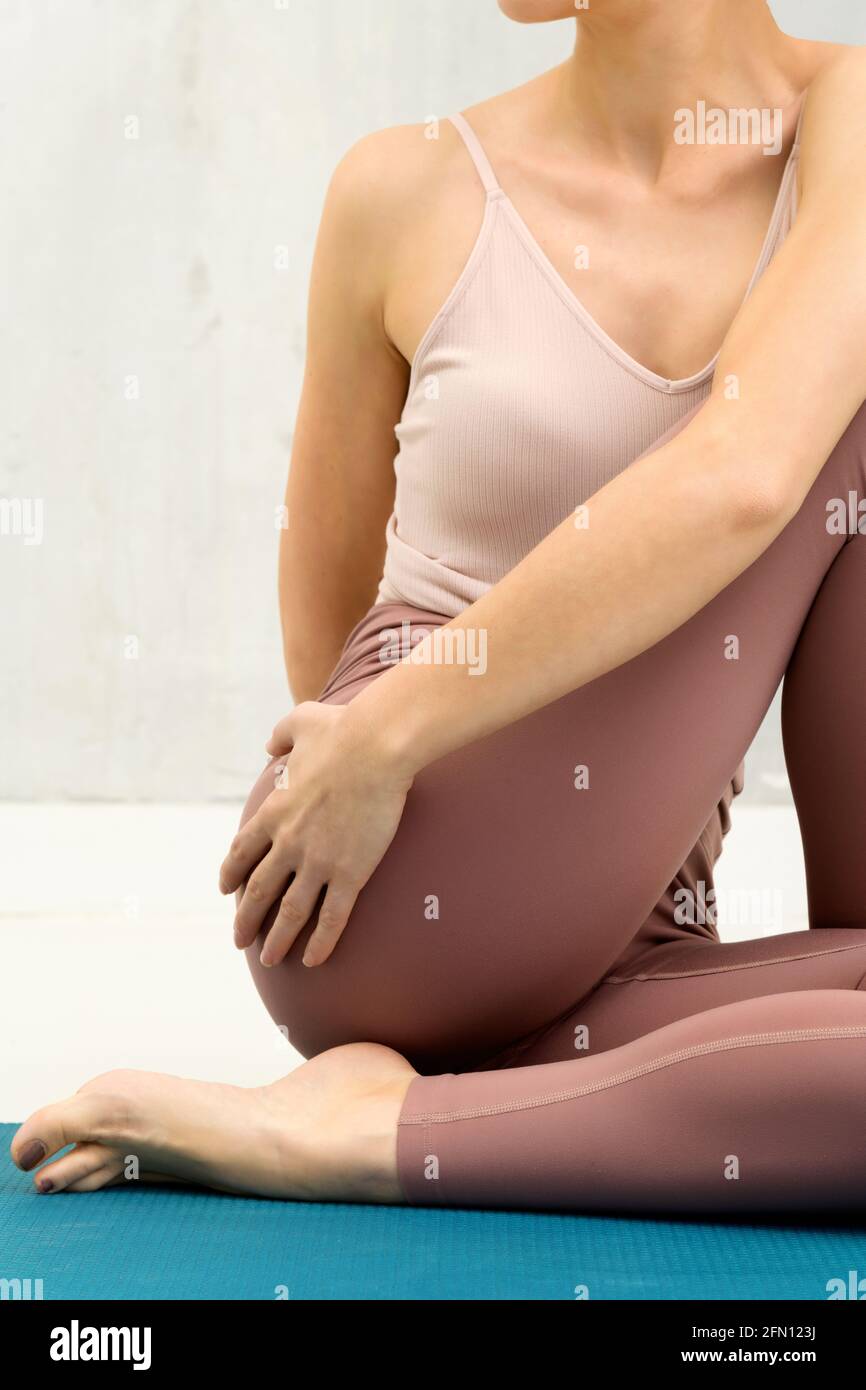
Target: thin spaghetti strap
[479,158]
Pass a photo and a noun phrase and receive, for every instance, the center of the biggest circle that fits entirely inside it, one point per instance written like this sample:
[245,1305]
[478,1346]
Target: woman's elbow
[765,486]
[765,501]
[761,481]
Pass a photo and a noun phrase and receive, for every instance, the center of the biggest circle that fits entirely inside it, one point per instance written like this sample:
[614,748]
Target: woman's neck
[637,62]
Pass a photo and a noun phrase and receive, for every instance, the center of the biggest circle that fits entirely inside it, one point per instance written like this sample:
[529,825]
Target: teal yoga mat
[152,1242]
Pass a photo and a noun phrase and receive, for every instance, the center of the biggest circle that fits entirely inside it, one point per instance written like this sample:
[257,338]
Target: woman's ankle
[368,1141]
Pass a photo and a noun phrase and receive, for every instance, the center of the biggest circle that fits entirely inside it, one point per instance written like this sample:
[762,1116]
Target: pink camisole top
[519,408]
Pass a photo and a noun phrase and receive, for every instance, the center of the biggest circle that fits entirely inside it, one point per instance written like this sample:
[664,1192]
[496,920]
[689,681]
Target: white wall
[148,265]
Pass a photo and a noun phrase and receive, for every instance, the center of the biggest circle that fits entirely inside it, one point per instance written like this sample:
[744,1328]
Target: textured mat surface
[141,1242]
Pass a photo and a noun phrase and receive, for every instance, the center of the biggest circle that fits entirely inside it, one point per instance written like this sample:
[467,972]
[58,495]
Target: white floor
[116,946]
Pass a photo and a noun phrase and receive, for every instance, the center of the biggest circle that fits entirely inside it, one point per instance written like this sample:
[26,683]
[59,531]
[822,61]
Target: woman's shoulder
[829,58]
[396,165]
[834,119]
[397,180]
[401,162]
[835,68]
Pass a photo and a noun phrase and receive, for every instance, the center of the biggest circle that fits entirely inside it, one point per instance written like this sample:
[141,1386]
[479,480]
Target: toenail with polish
[32,1154]
[45,1185]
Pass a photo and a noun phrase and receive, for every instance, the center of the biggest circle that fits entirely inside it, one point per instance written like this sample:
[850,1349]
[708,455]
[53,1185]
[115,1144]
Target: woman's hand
[334,811]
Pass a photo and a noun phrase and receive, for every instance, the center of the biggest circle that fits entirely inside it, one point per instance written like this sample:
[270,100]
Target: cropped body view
[578,478]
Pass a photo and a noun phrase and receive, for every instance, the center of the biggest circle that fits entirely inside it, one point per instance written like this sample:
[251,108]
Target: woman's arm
[664,538]
[341,481]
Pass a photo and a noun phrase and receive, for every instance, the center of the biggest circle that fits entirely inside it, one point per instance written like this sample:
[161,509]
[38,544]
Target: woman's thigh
[526,862]
[671,977]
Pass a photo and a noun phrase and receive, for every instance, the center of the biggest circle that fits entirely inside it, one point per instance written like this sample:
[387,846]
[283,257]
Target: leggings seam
[727,969]
[670,1059]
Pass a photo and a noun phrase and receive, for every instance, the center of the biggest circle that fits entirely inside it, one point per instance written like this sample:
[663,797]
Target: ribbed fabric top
[519,408]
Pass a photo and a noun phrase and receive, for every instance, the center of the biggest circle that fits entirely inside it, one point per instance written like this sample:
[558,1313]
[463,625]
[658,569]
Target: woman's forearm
[646,553]
[309,652]
[320,603]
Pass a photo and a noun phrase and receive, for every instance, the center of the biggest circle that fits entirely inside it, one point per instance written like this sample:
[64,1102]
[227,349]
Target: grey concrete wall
[161,161]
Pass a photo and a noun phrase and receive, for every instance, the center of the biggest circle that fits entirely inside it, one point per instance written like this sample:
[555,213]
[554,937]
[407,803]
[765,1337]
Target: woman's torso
[564,344]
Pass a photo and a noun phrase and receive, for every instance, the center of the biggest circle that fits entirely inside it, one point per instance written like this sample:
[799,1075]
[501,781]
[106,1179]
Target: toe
[89,1164]
[81,1118]
[109,1175]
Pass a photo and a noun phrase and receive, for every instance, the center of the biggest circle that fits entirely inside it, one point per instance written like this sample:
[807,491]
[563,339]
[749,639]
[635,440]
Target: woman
[460,878]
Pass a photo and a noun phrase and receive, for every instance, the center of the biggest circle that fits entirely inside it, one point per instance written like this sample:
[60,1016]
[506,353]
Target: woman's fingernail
[45,1185]
[34,1153]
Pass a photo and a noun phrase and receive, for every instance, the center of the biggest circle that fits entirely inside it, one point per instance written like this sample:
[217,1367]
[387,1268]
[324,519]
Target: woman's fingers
[282,738]
[263,887]
[249,846]
[333,916]
[296,909]
[334,811]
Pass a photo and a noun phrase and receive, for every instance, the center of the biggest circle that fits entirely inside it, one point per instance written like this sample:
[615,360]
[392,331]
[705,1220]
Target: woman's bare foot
[327,1131]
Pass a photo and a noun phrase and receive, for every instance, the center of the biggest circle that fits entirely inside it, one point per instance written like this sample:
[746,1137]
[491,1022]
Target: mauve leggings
[580,1048]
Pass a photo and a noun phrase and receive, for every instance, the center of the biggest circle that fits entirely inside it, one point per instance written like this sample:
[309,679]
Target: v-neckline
[670,385]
